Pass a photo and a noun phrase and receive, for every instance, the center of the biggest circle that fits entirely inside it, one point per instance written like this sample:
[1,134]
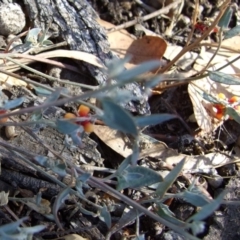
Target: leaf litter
[154,154]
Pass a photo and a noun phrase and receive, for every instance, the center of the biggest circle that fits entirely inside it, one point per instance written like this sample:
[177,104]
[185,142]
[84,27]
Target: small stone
[12,19]
[171,235]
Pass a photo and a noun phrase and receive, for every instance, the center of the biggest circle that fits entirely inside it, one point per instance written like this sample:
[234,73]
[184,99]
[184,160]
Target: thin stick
[14,39]
[145,18]
[196,43]
[215,53]
[194,19]
[215,45]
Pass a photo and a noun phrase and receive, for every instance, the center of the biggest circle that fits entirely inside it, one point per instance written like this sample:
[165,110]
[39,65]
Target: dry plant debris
[133,140]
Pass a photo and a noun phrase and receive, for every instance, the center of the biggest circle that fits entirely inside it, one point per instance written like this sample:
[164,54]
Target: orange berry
[69,115]
[83,110]
[233,99]
[219,116]
[3,120]
[221,96]
[88,126]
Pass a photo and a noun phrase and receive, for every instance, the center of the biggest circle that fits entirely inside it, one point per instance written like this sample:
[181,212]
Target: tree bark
[75,22]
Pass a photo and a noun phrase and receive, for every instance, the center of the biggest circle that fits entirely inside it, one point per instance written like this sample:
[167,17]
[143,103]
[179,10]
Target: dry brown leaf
[147,48]
[73,237]
[121,144]
[7,82]
[113,139]
[119,41]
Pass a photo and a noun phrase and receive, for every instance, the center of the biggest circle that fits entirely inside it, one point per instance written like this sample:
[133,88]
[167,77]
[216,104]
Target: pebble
[12,19]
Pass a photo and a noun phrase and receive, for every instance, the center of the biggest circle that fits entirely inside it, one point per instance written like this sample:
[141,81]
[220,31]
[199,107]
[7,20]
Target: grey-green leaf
[154,81]
[195,199]
[60,169]
[61,197]
[225,19]
[165,215]
[13,103]
[207,209]
[12,227]
[153,119]
[117,118]
[224,78]
[136,177]
[65,126]
[169,179]
[32,230]
[54,96]
[40,91]
[105,216]
[232,32]
[116,66]
[210,98]
[140,69]
[32,35]
[233,113]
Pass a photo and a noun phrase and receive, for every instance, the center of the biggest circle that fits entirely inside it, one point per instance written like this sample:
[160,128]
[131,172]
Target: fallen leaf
[200,163]
[193,164]
[74,237]
[119,41]
[120,143]
[3,198]
[114,139]
[145,49]
[185,61]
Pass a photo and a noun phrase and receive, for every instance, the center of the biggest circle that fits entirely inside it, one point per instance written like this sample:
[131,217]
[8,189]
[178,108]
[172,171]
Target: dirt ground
[22,180]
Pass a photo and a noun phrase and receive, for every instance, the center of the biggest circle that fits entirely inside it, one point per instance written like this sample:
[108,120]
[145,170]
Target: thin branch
[197,42]
[194,19]
[145,18]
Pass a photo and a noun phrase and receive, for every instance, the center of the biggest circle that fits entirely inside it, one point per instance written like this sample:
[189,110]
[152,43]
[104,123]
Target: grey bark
[30,183]
[75,22]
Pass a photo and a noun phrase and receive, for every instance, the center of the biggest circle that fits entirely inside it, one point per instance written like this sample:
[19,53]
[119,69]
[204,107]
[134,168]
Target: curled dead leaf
[145,49]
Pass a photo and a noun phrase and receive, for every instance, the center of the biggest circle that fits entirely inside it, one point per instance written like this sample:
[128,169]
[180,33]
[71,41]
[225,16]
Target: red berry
[220,111]
[233,99]
[219,106]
